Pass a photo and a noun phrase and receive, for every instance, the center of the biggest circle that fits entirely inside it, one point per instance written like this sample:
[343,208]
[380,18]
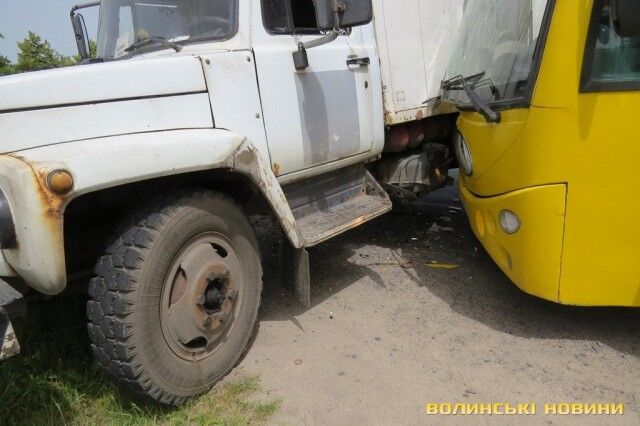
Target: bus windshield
[495,50]
[126,24]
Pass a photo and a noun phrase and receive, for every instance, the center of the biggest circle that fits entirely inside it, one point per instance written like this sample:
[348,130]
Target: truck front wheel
[175,298]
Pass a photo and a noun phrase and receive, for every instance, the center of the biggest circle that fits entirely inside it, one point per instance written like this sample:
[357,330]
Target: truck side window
[611,63]
[276,15]
[290,16]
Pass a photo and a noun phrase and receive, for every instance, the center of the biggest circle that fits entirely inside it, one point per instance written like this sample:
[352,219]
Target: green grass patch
[56,381]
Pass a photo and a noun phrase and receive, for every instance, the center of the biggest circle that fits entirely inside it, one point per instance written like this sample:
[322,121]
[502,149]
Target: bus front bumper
[530,257]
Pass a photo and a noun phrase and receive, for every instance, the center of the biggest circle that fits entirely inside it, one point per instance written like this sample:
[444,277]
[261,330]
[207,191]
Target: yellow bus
[548,142]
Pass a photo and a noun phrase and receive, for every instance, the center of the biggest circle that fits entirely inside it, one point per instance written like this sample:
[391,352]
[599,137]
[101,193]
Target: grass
[56,381]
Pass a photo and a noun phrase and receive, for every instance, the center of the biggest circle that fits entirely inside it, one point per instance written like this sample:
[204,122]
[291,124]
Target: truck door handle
[358,62]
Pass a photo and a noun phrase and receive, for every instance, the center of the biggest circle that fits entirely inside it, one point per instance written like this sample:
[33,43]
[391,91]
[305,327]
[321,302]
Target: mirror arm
[326,39]
[83,6]
[300,59]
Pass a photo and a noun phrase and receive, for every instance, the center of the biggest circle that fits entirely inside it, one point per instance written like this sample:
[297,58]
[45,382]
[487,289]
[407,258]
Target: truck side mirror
[625,15]
[331,14]
[79,29]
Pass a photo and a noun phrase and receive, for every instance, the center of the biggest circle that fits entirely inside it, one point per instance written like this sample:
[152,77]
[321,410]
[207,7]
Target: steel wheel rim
[201,296]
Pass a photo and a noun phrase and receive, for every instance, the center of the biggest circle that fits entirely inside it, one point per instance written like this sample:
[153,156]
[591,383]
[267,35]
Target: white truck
[144,165]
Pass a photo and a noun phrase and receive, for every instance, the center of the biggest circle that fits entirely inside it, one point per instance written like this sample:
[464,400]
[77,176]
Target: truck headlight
[463,153]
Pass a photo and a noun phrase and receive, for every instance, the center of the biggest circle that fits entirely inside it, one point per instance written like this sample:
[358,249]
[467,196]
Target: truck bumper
[530,257]
[9,345]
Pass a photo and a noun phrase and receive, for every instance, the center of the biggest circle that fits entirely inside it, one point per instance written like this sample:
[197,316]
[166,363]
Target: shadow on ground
[478,289]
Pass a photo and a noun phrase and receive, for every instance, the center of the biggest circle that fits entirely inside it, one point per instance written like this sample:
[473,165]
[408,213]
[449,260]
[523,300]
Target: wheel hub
[201,296]
[215,292]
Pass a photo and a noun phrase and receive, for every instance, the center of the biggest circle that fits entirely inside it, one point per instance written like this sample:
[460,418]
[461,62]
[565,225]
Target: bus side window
[611,63]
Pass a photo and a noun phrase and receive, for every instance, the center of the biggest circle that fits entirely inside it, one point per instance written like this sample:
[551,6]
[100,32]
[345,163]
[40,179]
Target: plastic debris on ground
[437,265]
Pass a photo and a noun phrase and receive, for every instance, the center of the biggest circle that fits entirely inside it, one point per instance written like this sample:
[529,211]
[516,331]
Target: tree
[5,63]
[5,66]
[37,54]
[93,52]
[93,49]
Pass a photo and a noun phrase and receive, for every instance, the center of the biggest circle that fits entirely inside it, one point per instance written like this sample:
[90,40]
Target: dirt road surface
[386,333]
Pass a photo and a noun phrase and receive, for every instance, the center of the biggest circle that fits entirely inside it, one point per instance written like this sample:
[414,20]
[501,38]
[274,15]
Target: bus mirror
[332,14]
[625,15]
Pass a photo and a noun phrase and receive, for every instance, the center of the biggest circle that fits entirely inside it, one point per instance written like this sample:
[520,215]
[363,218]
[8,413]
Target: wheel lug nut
[207,322]
[231,294]
[200,301]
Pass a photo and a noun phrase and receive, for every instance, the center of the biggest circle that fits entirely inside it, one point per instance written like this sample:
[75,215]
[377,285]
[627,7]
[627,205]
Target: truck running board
[328,205]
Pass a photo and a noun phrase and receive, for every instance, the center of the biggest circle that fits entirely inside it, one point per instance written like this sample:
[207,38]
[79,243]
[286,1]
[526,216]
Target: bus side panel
[530,257]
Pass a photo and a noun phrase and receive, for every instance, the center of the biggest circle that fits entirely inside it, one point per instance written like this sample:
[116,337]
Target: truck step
[334,203]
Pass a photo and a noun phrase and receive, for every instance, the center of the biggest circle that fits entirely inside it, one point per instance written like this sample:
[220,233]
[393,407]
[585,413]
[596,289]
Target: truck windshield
[495,50]
[127,23]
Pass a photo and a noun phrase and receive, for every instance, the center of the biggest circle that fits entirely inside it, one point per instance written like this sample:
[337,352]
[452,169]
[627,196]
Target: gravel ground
[387,334]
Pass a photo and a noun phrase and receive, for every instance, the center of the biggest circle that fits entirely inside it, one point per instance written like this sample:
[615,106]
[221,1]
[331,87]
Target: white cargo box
[415,39]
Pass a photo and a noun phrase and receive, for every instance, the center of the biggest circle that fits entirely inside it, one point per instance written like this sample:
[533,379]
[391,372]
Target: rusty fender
[110,162]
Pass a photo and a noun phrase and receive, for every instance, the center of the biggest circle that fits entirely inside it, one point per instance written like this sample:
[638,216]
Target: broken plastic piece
[436,265]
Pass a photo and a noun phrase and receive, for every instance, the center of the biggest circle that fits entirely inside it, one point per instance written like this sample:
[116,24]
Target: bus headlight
[463,154]
[509,222]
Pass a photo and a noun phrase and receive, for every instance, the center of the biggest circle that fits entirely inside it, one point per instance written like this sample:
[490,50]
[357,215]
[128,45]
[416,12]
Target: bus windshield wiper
[153,40]
[454,82]
[468,84]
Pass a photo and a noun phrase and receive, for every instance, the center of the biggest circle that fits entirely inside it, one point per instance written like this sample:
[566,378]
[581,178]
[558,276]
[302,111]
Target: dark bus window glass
[611,62]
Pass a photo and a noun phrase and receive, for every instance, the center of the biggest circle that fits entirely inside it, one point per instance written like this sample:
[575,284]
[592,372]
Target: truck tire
[174,300]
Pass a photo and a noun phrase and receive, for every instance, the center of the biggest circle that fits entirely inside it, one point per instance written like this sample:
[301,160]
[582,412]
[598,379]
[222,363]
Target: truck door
[324,113]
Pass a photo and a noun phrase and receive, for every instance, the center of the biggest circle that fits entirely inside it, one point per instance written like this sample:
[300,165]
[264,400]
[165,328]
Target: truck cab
[139,168]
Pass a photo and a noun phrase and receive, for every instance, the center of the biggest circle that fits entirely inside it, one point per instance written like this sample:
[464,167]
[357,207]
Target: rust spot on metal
[54,201]
[420,115]
[18,157]
[388,116]
[52,204]
[276,169]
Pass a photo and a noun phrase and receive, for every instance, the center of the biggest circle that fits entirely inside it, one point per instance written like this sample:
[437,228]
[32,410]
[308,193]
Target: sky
[49,18]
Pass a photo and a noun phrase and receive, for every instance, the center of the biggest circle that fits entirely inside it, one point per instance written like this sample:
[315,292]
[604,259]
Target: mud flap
[294,267]
[9,345]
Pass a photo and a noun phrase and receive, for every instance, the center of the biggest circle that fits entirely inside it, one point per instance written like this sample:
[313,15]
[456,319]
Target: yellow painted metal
[588,252]
[531,256]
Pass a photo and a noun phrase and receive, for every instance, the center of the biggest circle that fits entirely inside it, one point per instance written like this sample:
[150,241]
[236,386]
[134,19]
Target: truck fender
[110,162]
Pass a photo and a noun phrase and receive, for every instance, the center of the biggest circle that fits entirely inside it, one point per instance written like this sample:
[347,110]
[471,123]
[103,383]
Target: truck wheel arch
[211,157]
